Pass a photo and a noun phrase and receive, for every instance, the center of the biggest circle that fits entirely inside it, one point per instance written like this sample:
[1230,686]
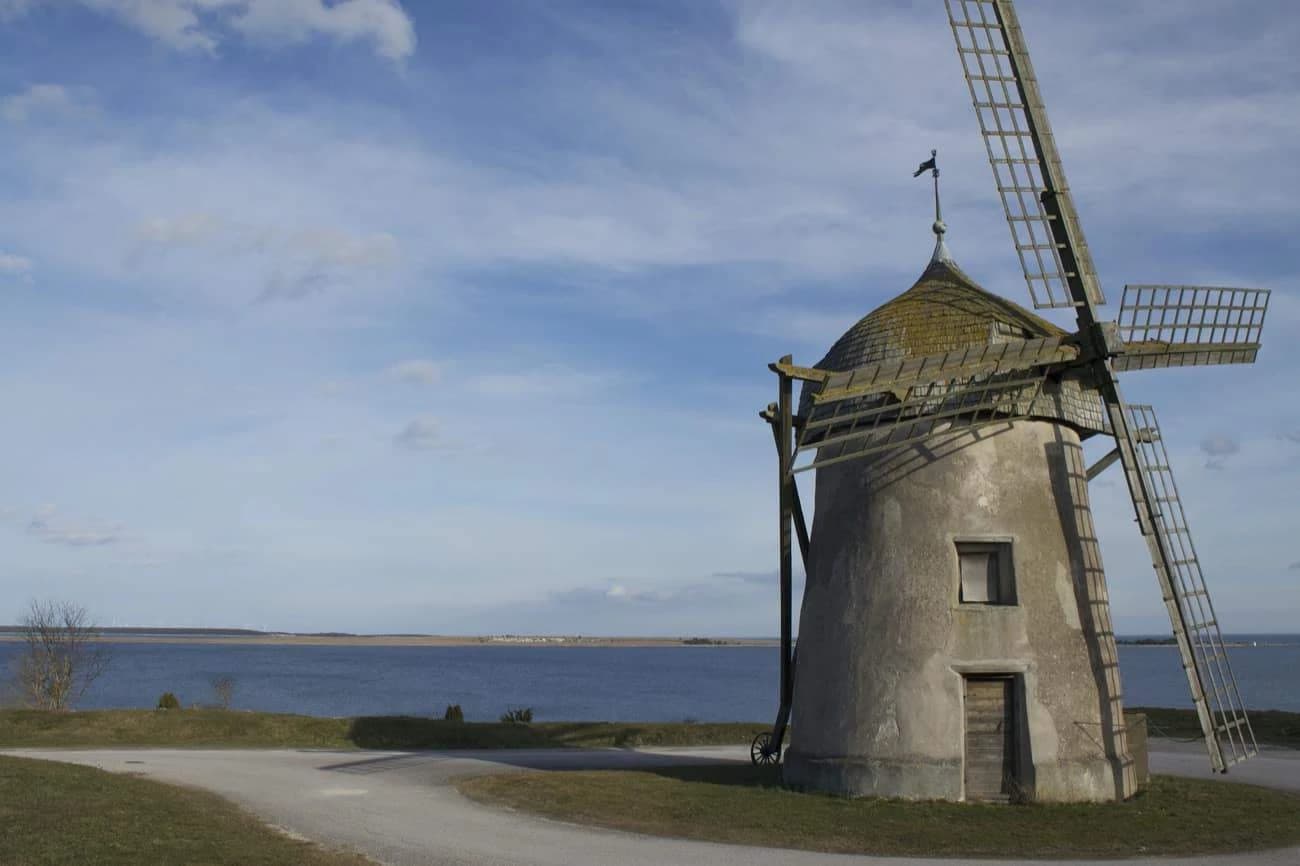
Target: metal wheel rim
[761,752]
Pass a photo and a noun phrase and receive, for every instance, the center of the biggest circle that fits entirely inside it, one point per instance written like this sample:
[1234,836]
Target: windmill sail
[1228,734]
[1185,326]
[1022,151]
[1167,328]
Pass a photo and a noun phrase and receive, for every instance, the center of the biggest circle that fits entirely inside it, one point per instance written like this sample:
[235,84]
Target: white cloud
[202,25]
[383,23]
[421,434]
[185,229]
[418,372]
[14,8]
[37,98]
[48,526]
[1217,448]
[297,261]
[14,265]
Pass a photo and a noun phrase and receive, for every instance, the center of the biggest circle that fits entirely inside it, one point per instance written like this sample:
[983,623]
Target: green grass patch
[60,815]
[225,728]
[746,805]
[217,728]
[1271,727]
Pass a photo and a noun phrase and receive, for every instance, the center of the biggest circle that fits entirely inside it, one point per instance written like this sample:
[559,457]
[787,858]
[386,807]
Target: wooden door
[990,738]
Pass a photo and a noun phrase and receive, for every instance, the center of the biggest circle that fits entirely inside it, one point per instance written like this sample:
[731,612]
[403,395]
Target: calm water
[566,683]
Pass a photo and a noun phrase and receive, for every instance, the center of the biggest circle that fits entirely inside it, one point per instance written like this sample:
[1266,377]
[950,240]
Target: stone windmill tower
[955,639]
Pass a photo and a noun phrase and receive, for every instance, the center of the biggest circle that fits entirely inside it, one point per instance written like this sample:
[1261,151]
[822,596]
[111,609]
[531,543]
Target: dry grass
[60,815]
[744,805]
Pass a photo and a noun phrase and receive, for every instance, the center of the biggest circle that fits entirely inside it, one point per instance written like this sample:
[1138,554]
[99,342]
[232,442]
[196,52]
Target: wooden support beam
[784,412]
[1103,464]
[785,367]
[800,523]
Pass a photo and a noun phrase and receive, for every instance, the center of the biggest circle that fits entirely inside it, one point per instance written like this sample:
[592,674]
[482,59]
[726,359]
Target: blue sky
[454,317]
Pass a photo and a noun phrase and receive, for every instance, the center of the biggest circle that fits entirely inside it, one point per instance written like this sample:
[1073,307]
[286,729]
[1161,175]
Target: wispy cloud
[1217,448]
[202,25]
[51,527]
[547,380]
[36,99]
[421,434]
[13,265]
[757,577]
[416,372]
[298,261]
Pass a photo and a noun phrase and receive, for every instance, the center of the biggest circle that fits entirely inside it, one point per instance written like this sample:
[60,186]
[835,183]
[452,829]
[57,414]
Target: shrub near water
[519,716]
[168,701]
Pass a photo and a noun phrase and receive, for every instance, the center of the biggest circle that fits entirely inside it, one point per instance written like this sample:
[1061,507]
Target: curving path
[399,808]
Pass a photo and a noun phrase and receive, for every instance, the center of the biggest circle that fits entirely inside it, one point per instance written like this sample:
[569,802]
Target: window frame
[1001,551]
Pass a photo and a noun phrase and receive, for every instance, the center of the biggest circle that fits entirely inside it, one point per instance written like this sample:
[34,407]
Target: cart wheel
[763,752]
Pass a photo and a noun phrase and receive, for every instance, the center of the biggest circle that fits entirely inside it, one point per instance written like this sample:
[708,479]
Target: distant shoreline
[9,634]
[251,637]
[1229,644]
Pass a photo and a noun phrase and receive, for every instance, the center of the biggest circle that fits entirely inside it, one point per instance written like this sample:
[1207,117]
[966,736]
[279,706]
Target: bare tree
[60,656]
[224,688]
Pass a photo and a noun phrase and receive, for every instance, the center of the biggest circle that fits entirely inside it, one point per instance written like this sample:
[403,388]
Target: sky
[454,317]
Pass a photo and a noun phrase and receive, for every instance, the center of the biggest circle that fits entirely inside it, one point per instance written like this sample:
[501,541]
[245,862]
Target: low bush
[223,688]
[453,714]
[168,701]
[518,716]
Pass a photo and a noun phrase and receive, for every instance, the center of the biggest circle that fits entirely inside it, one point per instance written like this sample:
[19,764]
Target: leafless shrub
[60,657]
[223,688]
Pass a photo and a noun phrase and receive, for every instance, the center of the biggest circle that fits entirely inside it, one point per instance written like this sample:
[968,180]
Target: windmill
[945,429]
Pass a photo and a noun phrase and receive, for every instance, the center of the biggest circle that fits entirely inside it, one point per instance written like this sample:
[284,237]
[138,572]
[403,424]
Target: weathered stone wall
[884,642]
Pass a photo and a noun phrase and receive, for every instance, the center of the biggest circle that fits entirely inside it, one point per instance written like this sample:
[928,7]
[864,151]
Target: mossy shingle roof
[944,310]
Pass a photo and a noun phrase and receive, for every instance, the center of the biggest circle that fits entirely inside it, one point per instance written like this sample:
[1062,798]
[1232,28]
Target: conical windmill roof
[943,311]
[946,310]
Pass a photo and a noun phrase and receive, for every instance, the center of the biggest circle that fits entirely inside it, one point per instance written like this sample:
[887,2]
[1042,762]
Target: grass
[745,805]
[1272,727]
[223,728]
[56,814]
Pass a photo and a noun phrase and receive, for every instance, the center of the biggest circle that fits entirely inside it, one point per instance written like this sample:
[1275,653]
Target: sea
[576,683]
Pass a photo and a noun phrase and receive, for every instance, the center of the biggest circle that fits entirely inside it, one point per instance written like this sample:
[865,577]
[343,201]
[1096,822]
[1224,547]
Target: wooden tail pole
[784,429]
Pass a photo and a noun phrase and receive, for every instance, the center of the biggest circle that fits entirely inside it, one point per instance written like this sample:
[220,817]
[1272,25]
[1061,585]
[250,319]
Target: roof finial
[941,253]
[940,228]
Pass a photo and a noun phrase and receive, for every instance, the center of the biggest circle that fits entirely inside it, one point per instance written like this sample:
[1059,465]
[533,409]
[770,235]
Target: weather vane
[940,227]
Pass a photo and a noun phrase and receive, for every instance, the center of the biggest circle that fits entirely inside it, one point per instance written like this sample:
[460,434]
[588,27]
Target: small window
[986,573]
